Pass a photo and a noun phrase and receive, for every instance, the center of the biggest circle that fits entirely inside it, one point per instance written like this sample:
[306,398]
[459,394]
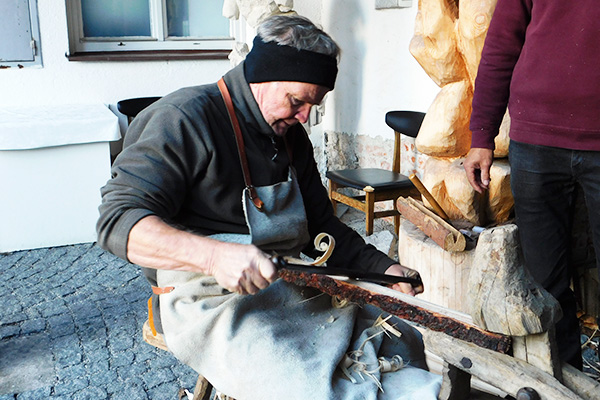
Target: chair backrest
[406,123]
[132,107]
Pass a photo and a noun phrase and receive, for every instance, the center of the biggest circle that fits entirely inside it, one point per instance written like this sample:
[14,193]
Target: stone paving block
[134,370]
[121,359]
[63,291]
[30,302]
[155,376]
[71,372]
[61,325]
[68,354]
[38,394]
[99,366]
[95,349]
[120,343]
[103,377]
[53,307]
[13,317]
[7,331]
[117,386]
[71,386]
[33,326]
[164,360]
[91,393]
[133,392]
[164,391]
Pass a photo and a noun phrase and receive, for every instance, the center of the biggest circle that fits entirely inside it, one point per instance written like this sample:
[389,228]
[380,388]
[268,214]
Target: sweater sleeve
[350,251]
[150,176]
[501,51]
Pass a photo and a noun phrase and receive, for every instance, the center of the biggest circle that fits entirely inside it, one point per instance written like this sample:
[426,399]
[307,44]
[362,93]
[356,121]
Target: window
[151,26]
[20,34]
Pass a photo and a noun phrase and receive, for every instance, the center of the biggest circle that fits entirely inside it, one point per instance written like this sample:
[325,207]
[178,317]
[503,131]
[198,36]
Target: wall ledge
[384,4]
[152,55]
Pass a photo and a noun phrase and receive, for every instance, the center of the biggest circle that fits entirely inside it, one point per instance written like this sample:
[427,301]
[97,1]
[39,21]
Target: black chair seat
[378,179]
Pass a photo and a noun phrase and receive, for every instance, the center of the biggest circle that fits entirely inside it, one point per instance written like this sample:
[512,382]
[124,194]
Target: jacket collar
[244,101]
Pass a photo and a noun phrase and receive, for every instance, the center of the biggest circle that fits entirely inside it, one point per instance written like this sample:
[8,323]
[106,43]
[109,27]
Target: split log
[504,296]
[434,42]
[445,129]
[500,202]
[441,232]
[439,211]
[400,305]
[580,383]
[499,370]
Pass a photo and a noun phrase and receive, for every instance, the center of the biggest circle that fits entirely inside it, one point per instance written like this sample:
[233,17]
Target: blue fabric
[286,342]
[543,181]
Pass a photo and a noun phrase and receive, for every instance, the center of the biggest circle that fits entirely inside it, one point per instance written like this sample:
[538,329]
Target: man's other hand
[477,166]
[407,288]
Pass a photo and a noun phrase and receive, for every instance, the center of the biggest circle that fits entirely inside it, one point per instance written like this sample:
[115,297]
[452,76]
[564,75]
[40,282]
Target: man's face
[284,104]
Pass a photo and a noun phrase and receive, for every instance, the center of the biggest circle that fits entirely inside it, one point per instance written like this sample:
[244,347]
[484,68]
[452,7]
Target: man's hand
[477,166]
[242,269]
[407,288]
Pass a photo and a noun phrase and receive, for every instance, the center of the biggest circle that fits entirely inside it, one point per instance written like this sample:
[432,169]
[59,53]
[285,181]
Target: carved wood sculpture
[254,12]
[447,43]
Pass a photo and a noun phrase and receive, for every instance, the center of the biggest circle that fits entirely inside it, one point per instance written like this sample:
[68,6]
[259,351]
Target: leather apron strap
[240,144]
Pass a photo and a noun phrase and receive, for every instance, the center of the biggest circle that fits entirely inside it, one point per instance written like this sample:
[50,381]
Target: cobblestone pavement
[71,328]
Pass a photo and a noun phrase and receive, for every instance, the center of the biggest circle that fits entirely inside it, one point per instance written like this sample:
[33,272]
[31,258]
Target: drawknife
[382,279]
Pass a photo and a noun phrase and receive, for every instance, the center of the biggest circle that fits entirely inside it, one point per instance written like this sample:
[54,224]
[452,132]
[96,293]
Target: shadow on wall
[346,25]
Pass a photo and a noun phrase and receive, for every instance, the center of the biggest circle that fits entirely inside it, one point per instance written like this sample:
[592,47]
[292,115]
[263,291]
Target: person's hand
[477,166]
[242,269]
[407,288]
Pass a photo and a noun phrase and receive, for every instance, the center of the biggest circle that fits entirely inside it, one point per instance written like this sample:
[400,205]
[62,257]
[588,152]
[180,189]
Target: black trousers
[543,183]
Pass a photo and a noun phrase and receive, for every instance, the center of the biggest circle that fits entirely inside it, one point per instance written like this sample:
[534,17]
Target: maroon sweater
[542,58]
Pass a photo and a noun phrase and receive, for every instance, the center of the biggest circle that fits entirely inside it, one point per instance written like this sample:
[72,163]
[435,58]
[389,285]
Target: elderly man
[212,181]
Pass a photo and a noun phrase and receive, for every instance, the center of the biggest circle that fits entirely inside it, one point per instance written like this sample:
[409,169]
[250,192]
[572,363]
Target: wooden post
[539,350]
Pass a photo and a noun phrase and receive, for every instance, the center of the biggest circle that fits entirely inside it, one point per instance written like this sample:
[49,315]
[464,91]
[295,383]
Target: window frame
[35,44]
[159,46]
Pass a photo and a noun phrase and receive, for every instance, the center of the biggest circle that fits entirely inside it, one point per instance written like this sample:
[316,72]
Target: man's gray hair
[299,32]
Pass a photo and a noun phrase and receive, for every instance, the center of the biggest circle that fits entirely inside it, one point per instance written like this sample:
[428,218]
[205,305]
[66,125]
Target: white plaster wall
[62,82]
[377,73]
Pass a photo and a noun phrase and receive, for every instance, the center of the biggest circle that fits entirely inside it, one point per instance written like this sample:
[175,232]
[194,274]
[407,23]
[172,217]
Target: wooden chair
[203,388]
[376,183]
[132,107]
